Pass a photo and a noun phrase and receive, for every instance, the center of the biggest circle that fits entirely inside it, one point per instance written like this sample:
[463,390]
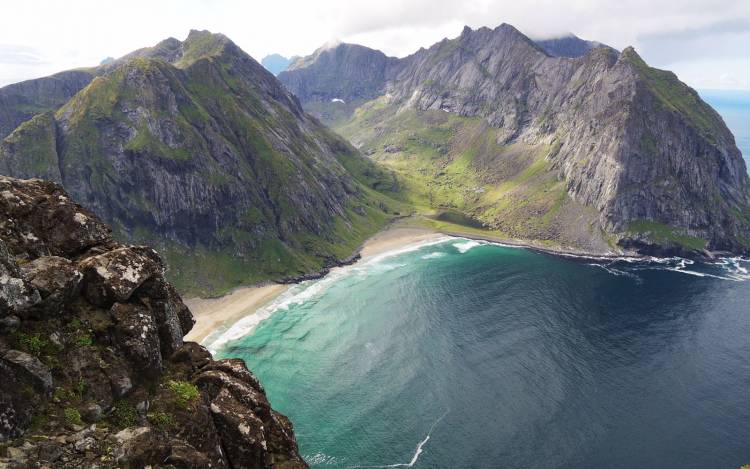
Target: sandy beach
[213,313]
[395,237]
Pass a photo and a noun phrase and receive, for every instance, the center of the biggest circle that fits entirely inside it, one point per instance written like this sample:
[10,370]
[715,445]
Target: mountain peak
[568,45]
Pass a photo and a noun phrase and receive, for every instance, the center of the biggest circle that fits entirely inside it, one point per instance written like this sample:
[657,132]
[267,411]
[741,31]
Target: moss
[124,414]
[665,234]
[184,391]
[72,416]
[161,420]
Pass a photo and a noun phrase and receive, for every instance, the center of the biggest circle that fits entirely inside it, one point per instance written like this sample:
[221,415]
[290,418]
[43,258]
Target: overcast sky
[706,42]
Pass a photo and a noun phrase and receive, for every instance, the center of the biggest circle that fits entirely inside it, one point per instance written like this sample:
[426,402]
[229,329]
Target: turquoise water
[463,354]
[734,107]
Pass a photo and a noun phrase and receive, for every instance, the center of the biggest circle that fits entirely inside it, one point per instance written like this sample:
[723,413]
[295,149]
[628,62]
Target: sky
[707,42]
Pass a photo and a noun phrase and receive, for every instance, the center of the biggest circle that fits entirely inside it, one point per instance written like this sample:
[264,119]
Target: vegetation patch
[72,416]
[665,234]
[184,391]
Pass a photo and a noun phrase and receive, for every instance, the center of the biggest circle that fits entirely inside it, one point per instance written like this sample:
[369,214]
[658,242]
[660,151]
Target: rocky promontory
[95,372]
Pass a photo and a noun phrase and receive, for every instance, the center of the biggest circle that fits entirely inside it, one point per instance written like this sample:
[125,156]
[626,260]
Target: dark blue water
[734,107]
[468,355]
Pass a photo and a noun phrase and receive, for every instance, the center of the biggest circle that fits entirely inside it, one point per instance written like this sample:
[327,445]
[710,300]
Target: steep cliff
[195,148]
[20,102]
[94,369]
[598,152]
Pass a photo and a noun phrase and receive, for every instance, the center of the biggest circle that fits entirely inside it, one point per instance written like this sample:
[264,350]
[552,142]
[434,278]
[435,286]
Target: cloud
[11,54]
[668,33]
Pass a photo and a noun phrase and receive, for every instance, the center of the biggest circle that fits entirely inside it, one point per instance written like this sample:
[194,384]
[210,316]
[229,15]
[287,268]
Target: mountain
[598,153]
[20,102]
[95,370]
[337,79]
[567,46]
[276,63]
[195,148]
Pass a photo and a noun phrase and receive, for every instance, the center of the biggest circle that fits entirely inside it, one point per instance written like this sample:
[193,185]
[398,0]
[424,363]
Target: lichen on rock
[95,371]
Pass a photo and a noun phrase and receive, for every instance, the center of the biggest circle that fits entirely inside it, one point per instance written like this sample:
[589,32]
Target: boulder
[114,275]
[34,211]
[136,336]
[29,368]
[57,281]
[16,295]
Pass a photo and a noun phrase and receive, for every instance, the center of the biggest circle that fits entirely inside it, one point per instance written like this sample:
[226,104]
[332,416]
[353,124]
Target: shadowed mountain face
[567,46]
[196,148]
[597,151]
[22,101]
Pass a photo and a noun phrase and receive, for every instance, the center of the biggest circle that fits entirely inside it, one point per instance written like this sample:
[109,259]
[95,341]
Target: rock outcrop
[193,147]
[94,369]
[597,151]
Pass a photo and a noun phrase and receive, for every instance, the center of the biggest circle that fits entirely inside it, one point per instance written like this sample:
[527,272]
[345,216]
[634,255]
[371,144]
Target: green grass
[664,234]
[448,162]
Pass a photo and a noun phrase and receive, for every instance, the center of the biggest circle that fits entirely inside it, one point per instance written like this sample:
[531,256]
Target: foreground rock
[94,369]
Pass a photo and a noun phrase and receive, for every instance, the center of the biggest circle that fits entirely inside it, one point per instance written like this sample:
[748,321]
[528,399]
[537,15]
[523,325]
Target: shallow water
[463,354]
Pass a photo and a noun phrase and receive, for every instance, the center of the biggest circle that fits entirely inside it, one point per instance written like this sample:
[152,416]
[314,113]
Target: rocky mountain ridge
[195,148]
[95,370]
[600,152]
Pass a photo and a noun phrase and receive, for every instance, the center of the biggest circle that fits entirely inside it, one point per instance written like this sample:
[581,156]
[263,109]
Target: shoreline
[212,314]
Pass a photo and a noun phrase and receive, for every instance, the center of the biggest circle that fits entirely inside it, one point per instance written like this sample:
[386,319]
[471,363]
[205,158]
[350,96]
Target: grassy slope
[454,170]
[202,270]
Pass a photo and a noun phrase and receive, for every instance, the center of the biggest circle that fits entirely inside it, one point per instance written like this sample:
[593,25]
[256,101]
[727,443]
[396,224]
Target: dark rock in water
[91,332]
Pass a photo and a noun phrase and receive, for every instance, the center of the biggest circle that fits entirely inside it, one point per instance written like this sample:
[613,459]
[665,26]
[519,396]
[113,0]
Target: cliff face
[95,371]
[20,102]
[599,152]
[335,80]
[194,147]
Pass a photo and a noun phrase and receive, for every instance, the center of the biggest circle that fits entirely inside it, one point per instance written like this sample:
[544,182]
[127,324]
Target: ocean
[465,354]
[734,107]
